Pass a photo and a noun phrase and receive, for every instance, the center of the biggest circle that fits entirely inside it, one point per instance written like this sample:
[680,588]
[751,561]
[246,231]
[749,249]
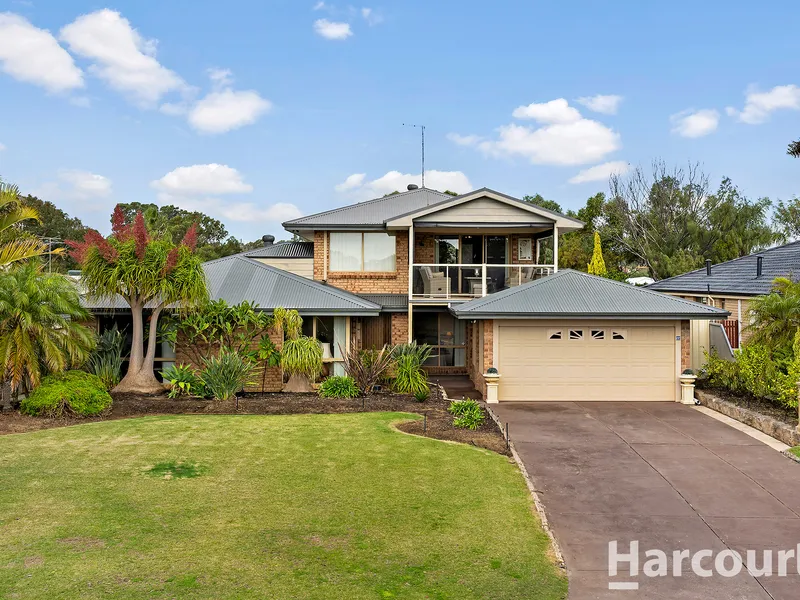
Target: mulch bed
[439,421]
[759,405]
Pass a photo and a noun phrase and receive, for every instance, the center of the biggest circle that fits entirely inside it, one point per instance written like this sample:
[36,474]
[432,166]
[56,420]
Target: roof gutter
[584,317]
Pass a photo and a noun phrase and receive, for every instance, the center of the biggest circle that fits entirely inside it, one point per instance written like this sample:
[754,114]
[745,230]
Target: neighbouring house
[730,286]
[476,277]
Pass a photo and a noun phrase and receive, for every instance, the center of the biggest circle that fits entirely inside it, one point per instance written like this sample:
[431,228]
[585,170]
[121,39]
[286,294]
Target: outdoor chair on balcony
[527,274]
[434,283]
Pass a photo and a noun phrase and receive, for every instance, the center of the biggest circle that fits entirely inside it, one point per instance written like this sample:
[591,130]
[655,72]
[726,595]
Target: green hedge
[756,371]
[72,393]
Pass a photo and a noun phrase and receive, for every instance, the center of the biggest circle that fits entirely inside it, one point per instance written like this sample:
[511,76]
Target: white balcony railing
[467,281]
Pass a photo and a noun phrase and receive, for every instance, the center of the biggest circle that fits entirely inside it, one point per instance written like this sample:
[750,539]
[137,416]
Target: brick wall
[362,282]
[686,346]
[399,328]
[515,250]
[424,248]
[274,376]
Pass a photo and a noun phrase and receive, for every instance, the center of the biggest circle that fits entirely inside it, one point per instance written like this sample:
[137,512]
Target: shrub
[183,380]
[72,393]
[468,414]
[107,357]
[226,374]
[338,387]
[409,376]
[422,395]
[422,352]
[367,367]
[302,356]
[756,371]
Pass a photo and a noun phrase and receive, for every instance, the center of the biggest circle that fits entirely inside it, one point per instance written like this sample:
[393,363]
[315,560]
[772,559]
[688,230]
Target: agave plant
[107,358]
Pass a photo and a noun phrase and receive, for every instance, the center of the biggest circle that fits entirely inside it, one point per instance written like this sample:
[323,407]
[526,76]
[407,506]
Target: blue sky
[258,111]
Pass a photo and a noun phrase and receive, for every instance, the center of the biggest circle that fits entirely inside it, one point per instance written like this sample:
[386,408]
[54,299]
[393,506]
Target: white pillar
[410,262]
[555,248]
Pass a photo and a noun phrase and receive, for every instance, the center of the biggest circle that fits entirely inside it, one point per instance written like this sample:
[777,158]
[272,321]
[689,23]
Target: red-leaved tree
[146,272]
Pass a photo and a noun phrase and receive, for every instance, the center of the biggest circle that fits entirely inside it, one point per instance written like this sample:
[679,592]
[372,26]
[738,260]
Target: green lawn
[795,451]
[307,506]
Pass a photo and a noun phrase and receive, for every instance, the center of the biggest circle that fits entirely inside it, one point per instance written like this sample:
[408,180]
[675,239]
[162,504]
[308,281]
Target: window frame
[361,268]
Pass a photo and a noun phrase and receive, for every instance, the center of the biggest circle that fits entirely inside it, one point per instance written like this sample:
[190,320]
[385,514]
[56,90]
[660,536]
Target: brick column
[399,328]
[686,346]
[488,344]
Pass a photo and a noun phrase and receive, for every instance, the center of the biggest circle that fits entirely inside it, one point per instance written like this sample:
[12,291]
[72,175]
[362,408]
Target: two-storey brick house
[456,273]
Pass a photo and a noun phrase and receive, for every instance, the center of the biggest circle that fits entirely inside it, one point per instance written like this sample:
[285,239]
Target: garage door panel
[640,366]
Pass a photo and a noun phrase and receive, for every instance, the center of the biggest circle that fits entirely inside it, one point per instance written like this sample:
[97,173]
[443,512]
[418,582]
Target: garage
[574,360]
[571,336]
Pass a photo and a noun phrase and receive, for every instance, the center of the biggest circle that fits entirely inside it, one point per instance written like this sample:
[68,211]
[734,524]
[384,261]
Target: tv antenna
[422,128]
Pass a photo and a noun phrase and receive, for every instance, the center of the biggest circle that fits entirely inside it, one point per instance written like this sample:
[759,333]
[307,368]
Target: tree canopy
[54,223]
[794,149]
[171,223]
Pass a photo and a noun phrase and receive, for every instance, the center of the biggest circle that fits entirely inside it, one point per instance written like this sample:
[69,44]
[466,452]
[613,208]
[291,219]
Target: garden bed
[776,421]
[439,421]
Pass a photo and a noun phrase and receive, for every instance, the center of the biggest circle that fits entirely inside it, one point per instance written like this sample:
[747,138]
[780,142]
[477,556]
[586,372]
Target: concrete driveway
[667,476]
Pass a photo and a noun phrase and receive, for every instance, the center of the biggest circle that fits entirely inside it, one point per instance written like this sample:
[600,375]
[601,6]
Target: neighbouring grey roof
[283,250]
[237,279]
[372,212]
[572,294]
[738,277]
[389,302]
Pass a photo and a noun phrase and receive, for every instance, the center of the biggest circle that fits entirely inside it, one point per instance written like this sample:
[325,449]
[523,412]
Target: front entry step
[457,387]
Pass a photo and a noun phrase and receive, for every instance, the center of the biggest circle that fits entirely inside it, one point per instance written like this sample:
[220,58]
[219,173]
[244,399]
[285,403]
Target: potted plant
[492,378]
[687,380]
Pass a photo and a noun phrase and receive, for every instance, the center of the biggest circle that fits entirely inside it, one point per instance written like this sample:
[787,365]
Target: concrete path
[667,476]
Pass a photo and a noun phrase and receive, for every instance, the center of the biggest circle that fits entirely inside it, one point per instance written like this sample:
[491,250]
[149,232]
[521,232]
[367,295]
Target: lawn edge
[554,545]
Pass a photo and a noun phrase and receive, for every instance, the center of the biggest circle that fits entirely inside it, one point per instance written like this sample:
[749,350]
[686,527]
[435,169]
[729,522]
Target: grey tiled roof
[283,250]
[237,279]
[572,294]
[372,212]
[738,276]
[389,302]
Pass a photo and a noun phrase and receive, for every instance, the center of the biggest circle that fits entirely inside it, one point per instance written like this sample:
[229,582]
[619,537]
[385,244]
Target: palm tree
[146,272]
[40,330]
[794,149]
[14,247]
[775,317]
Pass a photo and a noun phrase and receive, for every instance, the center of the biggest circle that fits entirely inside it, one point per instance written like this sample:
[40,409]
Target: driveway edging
[532,489]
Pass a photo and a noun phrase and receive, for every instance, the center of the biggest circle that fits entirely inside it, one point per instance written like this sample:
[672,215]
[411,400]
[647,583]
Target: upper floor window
[366,251]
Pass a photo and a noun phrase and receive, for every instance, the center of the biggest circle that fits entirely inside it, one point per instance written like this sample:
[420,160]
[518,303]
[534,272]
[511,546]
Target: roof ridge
[639,288]
[387,197]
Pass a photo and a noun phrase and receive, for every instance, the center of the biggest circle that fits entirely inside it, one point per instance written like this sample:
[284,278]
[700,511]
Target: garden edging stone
[764,423]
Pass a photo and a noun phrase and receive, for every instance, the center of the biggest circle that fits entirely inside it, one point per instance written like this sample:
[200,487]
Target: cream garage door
[576,361]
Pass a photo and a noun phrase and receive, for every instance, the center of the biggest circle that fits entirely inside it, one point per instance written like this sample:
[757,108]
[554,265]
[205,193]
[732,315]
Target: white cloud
[195,188]
[759,105]
[565,137]
[555,111]
[2,147]
[319,6]
[225,110]
[122,57]
[33,55]
[353,181]
[220,77]
[601,172]
[85,185]
[82,189]
[464,140]
[332,30]
[606,104]
[203,179]
[371,17]
[695,123]
[455,181]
